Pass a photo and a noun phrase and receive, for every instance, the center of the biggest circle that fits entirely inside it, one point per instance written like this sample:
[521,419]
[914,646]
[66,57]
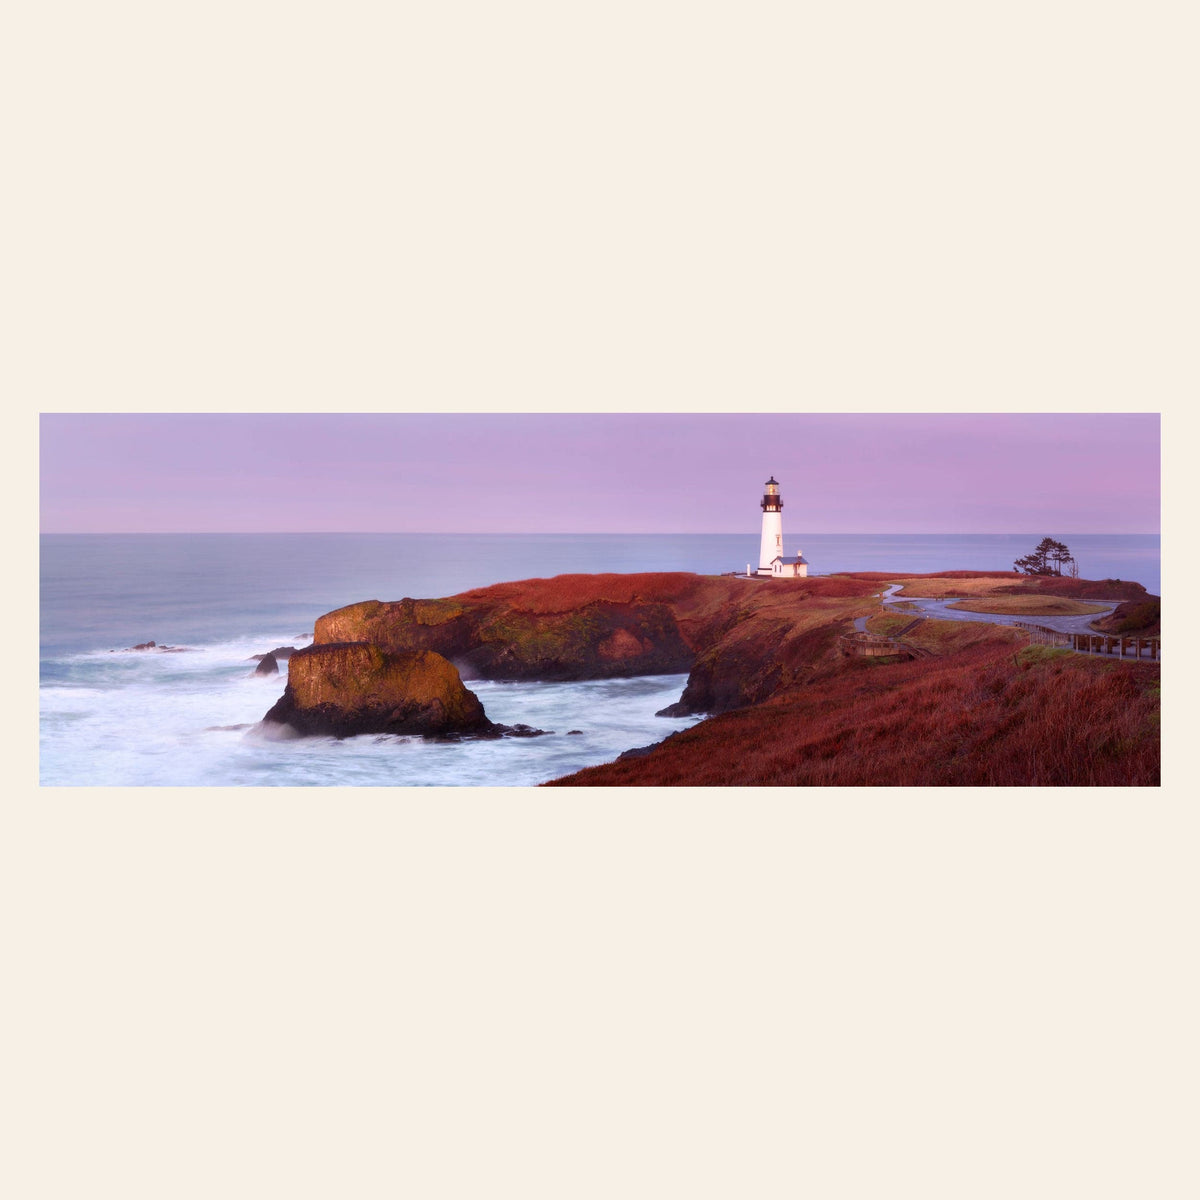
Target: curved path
[940,610]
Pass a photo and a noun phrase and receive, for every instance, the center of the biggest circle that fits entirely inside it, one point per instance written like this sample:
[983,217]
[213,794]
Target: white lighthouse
[771,560]
[771,546]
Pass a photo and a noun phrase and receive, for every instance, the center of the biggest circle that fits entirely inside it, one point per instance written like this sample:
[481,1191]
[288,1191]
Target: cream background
[550,207]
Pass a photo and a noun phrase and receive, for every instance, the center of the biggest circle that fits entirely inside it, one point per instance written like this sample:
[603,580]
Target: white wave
[53,693]
[239,648]
[172,730]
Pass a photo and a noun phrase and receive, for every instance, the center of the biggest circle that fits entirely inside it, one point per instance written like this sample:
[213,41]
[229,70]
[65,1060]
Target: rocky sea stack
[341,689]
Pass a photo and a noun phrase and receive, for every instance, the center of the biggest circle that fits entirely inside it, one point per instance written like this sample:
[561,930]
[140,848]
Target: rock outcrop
[157,648]
[280,653]
[267,665]
[743,641]
[739,638]
[596,640]
[753,662]
[343,689]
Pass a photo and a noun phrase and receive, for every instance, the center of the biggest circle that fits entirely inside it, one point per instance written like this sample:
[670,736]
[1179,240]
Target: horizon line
[577,533]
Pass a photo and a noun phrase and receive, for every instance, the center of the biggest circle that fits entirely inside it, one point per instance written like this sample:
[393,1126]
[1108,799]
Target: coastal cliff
[740,639]
[976,705]
[599,639]
[991,712]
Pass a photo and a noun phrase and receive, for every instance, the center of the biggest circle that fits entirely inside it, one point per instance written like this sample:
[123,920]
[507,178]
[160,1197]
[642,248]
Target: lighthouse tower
[771,545]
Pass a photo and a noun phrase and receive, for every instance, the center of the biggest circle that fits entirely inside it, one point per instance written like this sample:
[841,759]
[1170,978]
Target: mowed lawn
[1030,606]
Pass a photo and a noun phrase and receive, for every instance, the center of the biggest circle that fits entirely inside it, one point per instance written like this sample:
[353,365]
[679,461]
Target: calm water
[147,719]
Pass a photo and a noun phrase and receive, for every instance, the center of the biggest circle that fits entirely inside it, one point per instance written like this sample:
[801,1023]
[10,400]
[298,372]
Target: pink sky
[599,472]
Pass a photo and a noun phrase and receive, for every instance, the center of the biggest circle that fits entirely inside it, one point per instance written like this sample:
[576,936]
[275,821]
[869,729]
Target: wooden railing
[876,645]
[1094,643]
[1124,647]
[1041,635]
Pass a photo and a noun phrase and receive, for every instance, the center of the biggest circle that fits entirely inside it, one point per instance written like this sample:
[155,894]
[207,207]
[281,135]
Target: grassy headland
[768,662]
[982,709]
[989,713]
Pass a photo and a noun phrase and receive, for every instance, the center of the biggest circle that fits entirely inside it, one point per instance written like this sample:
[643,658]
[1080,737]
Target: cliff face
[741,639]
[493,641]
[753,662]
[394,667]
[345,689]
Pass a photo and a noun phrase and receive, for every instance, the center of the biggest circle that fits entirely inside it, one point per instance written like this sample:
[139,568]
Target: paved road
[941,611]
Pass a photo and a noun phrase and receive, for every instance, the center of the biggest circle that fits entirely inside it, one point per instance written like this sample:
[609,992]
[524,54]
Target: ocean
[116,718]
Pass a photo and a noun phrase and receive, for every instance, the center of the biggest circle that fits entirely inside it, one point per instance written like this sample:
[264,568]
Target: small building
[788,568]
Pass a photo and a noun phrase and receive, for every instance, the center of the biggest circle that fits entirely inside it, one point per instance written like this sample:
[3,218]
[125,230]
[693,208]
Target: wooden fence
[1095,643]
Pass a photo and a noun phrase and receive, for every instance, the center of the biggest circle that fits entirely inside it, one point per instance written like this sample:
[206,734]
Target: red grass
[689,595]
[832,586]
[879,576]
[1081,589]
[1134,619]
[982,718]
[565,592]
[1010,581]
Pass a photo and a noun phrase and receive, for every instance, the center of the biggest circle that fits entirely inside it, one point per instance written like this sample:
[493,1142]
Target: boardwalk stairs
[874,644]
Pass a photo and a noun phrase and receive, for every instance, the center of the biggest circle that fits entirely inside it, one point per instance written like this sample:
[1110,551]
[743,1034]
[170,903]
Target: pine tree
[1047,558]
[1058,554]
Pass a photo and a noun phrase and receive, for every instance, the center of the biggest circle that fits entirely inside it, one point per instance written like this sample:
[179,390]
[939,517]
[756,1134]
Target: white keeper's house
[771,559]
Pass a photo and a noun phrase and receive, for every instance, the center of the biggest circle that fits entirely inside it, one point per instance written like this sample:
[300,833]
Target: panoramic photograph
[598,589]
[600,599]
